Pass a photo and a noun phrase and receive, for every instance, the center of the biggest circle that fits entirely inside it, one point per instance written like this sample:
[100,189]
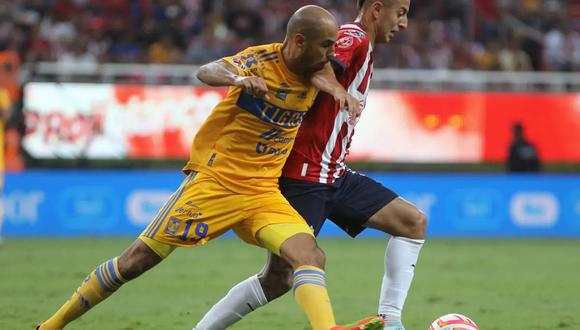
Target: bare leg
[276,277]
[103,281]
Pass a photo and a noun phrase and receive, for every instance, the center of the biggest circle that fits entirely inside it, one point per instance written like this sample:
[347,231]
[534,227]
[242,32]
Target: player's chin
[318,67]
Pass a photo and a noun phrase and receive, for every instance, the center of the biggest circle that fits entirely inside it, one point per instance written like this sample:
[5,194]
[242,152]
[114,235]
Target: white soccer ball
[453,322]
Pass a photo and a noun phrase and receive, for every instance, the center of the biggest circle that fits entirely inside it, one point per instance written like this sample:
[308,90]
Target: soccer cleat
[370,323]
[38,326]
[395,326]
[43,324]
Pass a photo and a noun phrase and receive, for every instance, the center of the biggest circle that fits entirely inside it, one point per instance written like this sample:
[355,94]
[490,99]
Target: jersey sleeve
[347,46]
[245,61]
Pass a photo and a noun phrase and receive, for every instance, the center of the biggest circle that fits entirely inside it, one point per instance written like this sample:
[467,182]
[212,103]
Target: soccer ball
[453,322]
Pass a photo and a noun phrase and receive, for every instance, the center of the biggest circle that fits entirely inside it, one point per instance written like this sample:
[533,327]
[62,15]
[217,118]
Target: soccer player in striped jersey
[317,183]
[232,175]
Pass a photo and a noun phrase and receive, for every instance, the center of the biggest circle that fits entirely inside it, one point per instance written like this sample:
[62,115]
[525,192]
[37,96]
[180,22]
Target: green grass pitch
[501,284]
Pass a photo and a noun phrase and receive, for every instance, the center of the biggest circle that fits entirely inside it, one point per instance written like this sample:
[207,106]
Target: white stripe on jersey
[351,26]
[304,169]
[341,118]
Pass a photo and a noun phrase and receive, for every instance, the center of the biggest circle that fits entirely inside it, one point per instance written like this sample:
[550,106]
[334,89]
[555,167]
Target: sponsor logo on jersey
[269,135]
[354,33]
[269,112]
[274,135]
[192,214]
[282,139]
[345,42]
[262,148]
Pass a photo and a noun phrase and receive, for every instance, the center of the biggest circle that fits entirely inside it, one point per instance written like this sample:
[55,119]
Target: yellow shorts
[202,209]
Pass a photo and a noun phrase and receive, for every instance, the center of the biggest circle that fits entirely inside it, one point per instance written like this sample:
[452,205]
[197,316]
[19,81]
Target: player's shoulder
[261,50]
[253,58]
[352,36]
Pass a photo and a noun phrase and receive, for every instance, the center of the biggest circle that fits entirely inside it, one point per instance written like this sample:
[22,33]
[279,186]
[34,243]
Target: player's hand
[349,103]
[255,86]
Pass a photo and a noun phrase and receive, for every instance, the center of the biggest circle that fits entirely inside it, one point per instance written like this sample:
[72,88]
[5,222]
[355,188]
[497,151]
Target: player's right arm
[325,80]
[222,73]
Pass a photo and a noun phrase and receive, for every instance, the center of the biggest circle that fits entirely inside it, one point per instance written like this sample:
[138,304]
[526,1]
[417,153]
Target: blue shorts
[349,202]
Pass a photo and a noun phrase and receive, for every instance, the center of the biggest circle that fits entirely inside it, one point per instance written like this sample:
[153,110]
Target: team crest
[172,226]
[345,42]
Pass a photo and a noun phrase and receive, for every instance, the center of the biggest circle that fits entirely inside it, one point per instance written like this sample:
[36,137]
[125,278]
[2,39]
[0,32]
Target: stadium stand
[475,34]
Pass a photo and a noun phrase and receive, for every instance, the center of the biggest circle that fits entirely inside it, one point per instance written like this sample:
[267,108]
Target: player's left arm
[325,80]
[223,73]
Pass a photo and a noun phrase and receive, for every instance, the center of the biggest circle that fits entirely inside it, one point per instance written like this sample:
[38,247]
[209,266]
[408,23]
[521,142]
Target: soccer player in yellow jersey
[232,175]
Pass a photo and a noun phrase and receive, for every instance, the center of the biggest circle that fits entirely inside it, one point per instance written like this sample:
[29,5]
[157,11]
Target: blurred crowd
[442,34]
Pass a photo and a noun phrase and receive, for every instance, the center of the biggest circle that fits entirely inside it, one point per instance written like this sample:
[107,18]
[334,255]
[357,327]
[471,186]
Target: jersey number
[201,229]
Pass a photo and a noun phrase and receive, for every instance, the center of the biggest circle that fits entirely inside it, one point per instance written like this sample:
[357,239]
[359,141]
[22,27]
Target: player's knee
[320,258]
[309,256]
[301,250]
[315,257]
[417,225]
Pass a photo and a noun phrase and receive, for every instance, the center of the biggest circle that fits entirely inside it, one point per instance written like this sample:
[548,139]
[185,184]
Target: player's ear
[377,7]
[300,40]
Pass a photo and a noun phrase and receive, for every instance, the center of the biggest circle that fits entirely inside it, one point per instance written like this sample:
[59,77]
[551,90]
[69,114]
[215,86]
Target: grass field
[501,284]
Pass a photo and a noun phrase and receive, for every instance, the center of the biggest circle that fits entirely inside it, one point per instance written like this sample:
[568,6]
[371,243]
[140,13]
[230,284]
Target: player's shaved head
[310,36]
[310,21]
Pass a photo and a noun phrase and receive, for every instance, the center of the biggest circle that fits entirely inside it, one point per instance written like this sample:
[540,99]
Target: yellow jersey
[245,141]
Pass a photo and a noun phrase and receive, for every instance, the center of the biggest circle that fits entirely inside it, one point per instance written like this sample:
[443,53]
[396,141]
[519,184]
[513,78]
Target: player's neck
[291,60]
[368,27]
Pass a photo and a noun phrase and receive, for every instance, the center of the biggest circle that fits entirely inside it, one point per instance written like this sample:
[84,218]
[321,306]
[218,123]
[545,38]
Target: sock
[400,260]
[96,287]
[311,295]
[241,300]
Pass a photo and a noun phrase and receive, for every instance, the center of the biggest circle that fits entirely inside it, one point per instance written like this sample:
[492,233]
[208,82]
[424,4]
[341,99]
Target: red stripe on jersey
[324,138]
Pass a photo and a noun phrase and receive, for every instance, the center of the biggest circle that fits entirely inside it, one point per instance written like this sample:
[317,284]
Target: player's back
[245,140]
[323,140]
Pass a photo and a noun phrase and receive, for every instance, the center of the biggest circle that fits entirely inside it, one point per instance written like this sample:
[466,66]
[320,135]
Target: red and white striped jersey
[324,138]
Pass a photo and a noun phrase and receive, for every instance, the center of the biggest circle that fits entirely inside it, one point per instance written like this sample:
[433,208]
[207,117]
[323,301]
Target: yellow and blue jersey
[245,141]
